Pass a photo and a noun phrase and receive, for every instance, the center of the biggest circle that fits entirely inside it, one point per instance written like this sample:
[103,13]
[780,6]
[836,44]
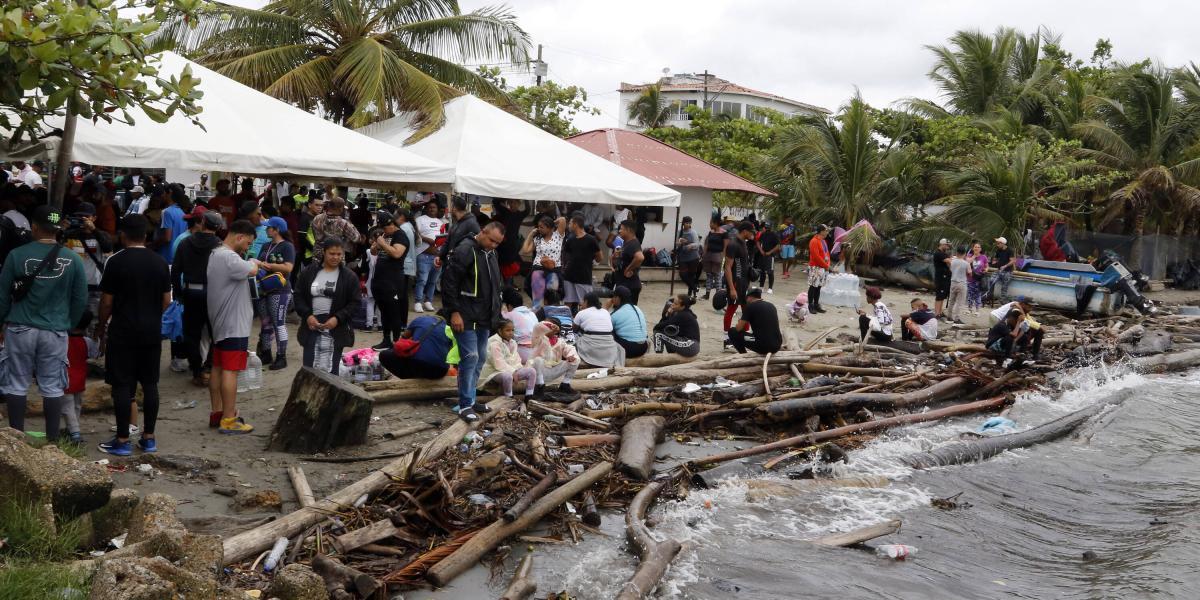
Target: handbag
[408,347]
[21,286]
[269,283]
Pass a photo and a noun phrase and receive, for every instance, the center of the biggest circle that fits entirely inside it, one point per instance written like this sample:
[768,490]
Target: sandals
[468,415]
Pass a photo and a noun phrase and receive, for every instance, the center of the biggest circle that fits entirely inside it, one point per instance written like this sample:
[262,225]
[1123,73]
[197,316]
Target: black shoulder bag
[21,286]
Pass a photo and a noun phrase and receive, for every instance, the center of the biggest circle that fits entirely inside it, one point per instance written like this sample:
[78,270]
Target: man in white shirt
[137,201]
[33,177]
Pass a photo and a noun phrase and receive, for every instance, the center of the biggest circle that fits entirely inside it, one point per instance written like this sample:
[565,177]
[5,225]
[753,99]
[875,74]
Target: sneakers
[116,447]
[468,415]
[179,365]
[482,408]
[147,445]
[417,308]
[235,426]
[133,429]
[214,419]
[384,345]
[279,364]
[770,291]
[75,437]
[429,307]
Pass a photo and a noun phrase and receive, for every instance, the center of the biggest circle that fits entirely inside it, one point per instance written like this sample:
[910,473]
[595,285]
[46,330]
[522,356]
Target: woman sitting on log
[327,292]
[629,323]
[553,357]
[594,335]
[678,332]
[879,324]
[435,350]
[504,364]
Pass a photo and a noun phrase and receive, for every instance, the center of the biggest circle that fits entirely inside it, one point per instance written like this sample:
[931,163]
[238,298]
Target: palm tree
[831,174]
[355,61]
[650,110]
[1145,131]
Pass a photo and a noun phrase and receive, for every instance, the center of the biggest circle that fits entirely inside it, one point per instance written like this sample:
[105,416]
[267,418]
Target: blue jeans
[427,277]
[472,352]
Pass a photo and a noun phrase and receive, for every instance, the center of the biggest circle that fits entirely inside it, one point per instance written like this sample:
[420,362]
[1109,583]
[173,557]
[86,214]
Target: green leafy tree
[357,61]
[88,58]
[552,107]
[650,110]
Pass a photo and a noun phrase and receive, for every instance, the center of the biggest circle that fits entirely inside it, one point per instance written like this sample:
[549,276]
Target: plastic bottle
[896,551]
[376,370]
[276,555]
[362,371]
[254,371]
[323,352]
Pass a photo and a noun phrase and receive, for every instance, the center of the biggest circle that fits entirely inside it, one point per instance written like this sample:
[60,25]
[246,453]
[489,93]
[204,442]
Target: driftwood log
[809,439]
[321,412]
[491,536]
[573,417]
[522,585]
[626,410]
[527,499]
[1173,361]
[799,408]
[963,452]
[597,439]
[407,431]
[639,438]
[304,493]
[859,536]
[655,556]
[379,530]
[339,577]
[248,543]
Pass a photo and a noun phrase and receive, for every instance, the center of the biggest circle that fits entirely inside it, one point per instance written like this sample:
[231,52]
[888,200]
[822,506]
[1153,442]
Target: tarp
[245,132]
[500,155]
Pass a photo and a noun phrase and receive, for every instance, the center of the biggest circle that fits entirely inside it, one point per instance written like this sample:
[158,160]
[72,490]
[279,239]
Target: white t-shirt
[321,304]
[594,320]
[958,270]
[1000,313]
[621,216]
[928,330]
[427,227]
[31,178]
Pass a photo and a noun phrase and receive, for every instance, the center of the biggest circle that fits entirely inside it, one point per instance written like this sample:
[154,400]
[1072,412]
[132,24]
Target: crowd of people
[132,259]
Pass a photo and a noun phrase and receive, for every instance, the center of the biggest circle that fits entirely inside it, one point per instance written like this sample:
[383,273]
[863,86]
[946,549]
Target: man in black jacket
[471,302]
[189,279]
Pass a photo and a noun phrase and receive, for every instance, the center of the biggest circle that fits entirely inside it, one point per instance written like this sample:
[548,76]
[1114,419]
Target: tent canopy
[245,131]
[500,155]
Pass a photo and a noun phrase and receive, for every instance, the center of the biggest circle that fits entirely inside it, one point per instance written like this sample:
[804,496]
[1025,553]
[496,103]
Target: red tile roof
[661,162]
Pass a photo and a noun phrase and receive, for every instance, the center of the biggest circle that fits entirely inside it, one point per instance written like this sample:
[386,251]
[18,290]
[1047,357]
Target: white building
[717,95]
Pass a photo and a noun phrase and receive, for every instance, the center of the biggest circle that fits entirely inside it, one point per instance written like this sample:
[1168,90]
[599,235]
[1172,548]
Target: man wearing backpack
[43,293]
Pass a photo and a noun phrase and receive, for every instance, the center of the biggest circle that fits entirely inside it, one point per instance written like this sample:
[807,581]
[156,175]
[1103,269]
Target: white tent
[500,155]
[246,132]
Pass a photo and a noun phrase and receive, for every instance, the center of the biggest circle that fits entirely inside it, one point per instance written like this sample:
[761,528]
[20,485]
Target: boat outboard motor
[1118,279]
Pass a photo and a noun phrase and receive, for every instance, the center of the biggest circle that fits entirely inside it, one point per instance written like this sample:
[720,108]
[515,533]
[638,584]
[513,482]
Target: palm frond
[487,34]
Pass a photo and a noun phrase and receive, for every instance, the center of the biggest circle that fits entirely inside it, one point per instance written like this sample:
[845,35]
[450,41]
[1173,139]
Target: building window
[733,109]
[755,113]
[681,109]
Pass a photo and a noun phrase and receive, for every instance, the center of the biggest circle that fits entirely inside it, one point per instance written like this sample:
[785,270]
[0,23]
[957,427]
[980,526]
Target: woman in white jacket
[504,363]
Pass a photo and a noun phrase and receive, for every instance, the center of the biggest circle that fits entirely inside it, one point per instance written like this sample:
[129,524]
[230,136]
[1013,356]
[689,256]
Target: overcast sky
[817,51]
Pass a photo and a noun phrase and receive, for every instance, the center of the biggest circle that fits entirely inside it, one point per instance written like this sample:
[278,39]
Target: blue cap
[278,224]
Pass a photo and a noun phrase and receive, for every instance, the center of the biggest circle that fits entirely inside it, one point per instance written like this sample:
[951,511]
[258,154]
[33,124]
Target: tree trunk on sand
[963,452]
[248,543]
[491,536]
[522,585]
[799,408]
[1174,361]
[322,412]
[809,439]
[655,556]
[639,437]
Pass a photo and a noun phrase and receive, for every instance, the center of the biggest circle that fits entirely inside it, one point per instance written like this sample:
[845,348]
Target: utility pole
[539,68]
[705,89]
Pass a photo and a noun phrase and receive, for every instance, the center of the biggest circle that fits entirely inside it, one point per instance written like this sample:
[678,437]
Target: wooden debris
[655,556]
[639,438]
[534,493]
[341,580]
[321,412]
[858,536]
[522,585]
[304,493]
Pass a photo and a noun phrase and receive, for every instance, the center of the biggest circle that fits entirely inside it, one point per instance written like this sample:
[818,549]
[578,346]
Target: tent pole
[675,263]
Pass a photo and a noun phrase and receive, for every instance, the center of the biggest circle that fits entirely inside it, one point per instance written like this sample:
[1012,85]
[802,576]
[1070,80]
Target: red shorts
[508,270]
[230,354]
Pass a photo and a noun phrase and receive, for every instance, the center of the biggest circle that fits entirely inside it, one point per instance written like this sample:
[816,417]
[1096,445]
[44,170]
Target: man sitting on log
[1032,330]
[1007,336]
[919,325]
[760,317]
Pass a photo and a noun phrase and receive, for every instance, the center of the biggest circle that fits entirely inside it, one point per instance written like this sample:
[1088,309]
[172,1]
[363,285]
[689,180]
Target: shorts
[231,354]
[941,290]
[573,293]
[509,270]
[130,365]
[30,352]
[788,252]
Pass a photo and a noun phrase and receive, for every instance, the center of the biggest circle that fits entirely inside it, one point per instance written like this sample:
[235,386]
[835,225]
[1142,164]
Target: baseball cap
[278,224]
[383,217]
[46,216]
[138,189]
[1002,240]
[943,242]
[86,209]
[213,220]
[197,211]
[1023,300]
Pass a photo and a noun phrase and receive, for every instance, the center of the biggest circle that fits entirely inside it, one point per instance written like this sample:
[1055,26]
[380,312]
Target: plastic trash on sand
[895,551]
[997,426]
[602,373]
[481,500]
[721,382]
[690,388]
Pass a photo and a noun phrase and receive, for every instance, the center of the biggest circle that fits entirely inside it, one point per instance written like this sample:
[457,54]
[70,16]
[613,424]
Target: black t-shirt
[740,257]
[998,331]
[137,278]
[714,241]
[764,323]
[628,250]
[941,270]
[1003,257]
[768,240]
[509,250]
[578,253]
[388,270]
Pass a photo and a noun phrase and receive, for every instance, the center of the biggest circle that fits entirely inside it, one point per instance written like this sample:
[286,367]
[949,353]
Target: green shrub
[33,580]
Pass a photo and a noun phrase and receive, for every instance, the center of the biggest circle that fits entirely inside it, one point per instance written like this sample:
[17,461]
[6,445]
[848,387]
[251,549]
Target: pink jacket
[552,350]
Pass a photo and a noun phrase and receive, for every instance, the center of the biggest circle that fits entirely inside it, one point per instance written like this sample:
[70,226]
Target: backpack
[664,258]
[720,299]
[11,236]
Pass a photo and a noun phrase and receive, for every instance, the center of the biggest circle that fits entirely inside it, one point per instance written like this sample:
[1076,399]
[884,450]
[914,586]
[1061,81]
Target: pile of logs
[431,514]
